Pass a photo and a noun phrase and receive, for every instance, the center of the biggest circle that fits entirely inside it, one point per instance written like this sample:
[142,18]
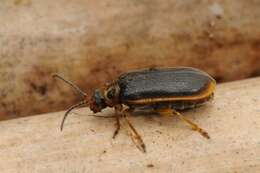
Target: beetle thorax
[105,97]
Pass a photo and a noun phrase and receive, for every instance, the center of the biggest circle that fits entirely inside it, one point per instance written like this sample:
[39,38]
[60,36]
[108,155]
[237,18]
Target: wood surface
[92,42]
[35,144]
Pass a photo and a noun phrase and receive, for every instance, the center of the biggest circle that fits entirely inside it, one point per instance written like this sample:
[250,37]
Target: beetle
[157,89]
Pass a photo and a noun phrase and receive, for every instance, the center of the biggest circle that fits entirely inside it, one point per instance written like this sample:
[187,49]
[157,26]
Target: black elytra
[184,83]
[162,83]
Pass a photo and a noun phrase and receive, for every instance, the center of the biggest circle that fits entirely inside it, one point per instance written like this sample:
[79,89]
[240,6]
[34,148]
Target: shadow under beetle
[161,90]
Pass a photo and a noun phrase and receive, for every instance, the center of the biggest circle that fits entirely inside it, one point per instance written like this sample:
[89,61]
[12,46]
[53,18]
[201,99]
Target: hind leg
[192,124]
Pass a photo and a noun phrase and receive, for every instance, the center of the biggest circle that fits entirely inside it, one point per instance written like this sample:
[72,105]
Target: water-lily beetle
[158,89]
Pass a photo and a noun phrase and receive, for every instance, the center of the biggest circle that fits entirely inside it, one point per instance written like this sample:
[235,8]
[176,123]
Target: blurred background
[93,42]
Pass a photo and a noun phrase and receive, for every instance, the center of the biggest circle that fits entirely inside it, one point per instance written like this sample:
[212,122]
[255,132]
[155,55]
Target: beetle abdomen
[162,84]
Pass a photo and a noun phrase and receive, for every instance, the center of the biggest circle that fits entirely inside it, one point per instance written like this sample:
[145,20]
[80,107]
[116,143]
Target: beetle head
[97,102]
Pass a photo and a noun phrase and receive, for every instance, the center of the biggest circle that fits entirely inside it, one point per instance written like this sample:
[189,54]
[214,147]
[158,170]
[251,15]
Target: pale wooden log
[91,42]
[35,144]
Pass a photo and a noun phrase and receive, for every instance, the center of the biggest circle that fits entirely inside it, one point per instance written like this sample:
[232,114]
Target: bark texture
[92,42]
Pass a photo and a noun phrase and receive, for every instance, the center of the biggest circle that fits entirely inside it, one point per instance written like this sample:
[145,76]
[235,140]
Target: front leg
[118,110]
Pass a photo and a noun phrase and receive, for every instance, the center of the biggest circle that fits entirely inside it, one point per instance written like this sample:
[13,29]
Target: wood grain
[35,144]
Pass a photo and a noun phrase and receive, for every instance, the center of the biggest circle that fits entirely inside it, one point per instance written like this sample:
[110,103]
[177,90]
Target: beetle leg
[117,127]
[134,135]
[192,124]
[99,116]
[117,116]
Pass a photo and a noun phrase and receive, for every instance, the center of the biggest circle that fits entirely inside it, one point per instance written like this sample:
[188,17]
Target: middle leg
[134,135]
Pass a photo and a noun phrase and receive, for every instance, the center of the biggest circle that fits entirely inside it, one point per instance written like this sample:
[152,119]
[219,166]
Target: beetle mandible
[157,89]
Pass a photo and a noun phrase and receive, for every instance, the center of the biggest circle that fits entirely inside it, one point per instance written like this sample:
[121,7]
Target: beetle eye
[111,93]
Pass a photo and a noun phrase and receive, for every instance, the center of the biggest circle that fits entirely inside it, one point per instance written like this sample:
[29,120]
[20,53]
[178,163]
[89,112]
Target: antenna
[71,84]
[69,110]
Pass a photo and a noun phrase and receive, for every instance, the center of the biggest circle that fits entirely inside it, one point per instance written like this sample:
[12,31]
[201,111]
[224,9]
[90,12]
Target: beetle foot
[203,133]
[116,132]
